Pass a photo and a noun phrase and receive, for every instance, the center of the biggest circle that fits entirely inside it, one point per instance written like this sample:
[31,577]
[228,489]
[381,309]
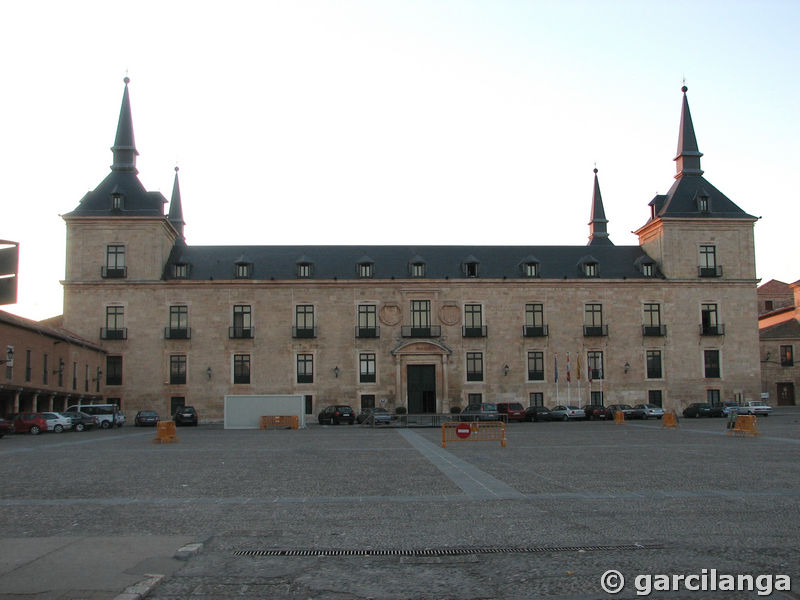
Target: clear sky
[398,122]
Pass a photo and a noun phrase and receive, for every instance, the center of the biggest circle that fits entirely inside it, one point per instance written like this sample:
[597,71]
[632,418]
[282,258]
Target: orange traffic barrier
[279,421]
[745,425]
[619,417]
[492,431]
[670,420]
[165,433]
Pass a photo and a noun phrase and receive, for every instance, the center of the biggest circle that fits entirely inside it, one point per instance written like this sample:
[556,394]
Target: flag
[578,374]
[555,367]
[589,372]
[568,373]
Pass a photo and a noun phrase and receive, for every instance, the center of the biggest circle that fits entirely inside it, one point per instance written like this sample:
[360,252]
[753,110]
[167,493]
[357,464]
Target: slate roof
[137,201]
[392,262]
[785,330]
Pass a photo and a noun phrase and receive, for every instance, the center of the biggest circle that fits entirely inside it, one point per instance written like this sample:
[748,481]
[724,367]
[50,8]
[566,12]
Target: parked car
[485,411]
[5,427]
[34,423]
[185,415]
[595,411]
[513,411]
[82,421]
[337,413]
[377,415]
[144,418]
[629,411]
[57,422]
[651,411]
[702,409]
[538,413]
[755,407]
[567,413]
[106,413]
[120,420]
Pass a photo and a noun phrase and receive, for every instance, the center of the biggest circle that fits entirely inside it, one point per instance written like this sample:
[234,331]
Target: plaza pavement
[354,513]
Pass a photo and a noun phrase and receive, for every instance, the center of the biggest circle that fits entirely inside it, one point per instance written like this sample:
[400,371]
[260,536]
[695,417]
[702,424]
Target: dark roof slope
[441,262]
[682,200]
[136,201]
[785,330]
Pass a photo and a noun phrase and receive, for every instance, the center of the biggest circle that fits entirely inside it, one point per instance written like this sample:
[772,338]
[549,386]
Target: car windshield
[148,413]
[515,406]
[488,406]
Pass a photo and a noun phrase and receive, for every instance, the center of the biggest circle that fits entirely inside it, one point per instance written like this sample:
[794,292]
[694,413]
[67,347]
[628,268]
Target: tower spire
[175,216]
[598,232]
[124,148]
[687,162]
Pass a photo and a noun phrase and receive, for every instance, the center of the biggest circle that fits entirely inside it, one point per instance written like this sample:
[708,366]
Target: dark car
[144,418]
[81,421]
[485,411]
[513,411]
[30,422]
[627,410]
[702,409]
[595,411]
[337,413]
[537,413]
[376,415]
[185,415]
[5,427]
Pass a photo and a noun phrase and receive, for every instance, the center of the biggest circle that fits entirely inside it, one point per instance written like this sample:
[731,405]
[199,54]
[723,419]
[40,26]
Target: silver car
[57,422]
[651,411]
[566,413]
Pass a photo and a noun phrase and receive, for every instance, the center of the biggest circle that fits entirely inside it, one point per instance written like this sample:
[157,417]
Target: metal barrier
[745,425]
[279,421]
[670,420]
[165,433]
[619,417]
[490,431]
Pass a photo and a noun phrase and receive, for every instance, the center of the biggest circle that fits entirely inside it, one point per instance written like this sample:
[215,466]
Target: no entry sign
[463,430]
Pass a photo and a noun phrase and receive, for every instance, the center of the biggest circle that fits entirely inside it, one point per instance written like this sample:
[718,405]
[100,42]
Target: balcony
[113,272]
[368,332]
[475,376]
[535,331]
[535,375]
[474,331]
[596,374]
[433,331]
[177,333]
[712,373]
[595,330]
[709,271]
[113,334]
[654,330]
[241,333]
[366,378]
[305,378]
[712,329]
[304,332]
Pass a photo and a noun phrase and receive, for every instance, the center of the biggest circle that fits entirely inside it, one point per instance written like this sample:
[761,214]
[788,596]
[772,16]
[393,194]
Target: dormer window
[416,268]
[646,266]
[304,270]
[703,201]
[530,269]
[589,266]
[366,270]
[117,201]
[590,269]
[243,270]
[647,269]
[181,270]
[471,269]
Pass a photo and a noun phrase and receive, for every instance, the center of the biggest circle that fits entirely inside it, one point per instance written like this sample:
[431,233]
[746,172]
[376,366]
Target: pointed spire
[687,162]
[175,216]
[124,148]
[598,232]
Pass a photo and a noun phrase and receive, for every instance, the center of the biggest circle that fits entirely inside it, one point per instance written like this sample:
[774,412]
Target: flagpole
[555,368]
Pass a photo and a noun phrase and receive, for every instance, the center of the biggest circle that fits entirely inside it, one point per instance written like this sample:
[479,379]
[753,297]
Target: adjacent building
[671,320]
[779,334]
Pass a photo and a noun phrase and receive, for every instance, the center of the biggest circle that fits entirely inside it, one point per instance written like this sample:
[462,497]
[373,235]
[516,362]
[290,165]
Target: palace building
[672,320]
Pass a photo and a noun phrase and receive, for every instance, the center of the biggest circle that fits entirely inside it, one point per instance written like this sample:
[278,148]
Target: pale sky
[398,122]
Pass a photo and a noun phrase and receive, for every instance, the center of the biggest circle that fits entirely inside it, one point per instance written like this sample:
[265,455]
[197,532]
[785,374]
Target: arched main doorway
[422,375]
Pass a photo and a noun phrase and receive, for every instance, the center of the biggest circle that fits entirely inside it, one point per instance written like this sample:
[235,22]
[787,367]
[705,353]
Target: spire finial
[687,161]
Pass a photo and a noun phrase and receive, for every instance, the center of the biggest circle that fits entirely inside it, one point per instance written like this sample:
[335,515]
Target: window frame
[242,373]
[535,359]
[474,366]
[178,371]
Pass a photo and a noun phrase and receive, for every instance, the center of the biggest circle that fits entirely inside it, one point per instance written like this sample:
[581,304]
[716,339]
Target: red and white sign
[463,430]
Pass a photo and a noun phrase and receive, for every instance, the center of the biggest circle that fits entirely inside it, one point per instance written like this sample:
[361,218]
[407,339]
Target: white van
[107,415]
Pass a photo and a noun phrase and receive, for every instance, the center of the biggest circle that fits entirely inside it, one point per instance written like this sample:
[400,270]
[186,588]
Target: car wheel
[697,415]
[105,425]
[565,418]
[79,427]
[58,428]
[35,430]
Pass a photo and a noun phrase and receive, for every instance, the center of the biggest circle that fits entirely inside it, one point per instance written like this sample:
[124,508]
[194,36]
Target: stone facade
[779,335]
[178,338]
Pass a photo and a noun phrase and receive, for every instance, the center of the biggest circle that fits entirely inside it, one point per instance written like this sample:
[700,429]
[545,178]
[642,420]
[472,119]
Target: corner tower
[694,230]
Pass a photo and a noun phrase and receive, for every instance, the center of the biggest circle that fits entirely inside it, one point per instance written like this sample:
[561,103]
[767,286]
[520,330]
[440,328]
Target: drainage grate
[440,551]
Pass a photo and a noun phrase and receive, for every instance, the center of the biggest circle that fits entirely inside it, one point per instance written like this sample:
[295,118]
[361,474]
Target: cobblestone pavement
[355,513]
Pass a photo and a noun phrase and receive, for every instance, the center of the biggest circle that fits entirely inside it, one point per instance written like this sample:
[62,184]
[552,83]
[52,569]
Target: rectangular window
[366,367]
[241,368]
[367,321]
[709,321]
[177,369]
[309,399]
[115,261]
[242,322]
[708,262]
[367,401]
[590,269]
[418,270]
[74,376]
[243,271]
[44,369]
[304,270]
[535,366]
[178,322]
[114,370]
[654,364]
[473,321]
[531,269]
[655,397]
[304,321]
[365,270]
[652,320]
[594,362]
[305,368]
[115,324]
[787,356]
[60,372]
[534,321]
[596,398]
[536,398]
[28,365]
[711,364]
[593,320]
[181,270]
[474,366]
[420,313]
[474,398]
[713,397]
